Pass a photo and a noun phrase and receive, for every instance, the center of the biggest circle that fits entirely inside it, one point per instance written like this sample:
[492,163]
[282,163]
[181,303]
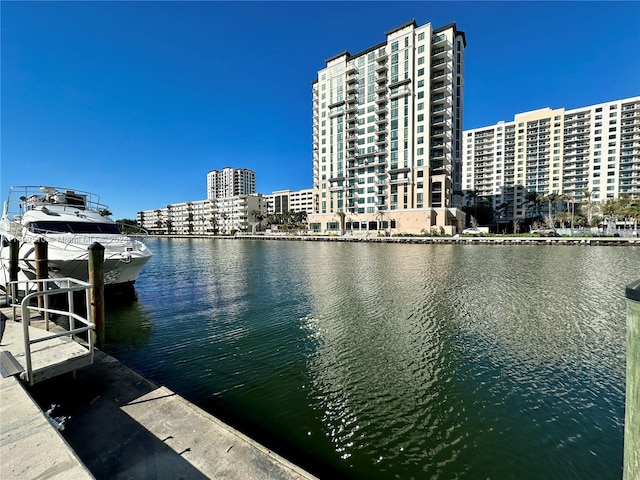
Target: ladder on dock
[40,339]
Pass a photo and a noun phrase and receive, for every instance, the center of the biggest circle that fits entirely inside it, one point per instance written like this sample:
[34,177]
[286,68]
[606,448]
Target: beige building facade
[593,149]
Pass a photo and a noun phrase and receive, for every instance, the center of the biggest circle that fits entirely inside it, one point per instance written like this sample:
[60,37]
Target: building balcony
[381,78]
[381,67]
[381,120]
[381,110]
[439,52]
[440,74]
[441,86]
[403,92]
[399,181]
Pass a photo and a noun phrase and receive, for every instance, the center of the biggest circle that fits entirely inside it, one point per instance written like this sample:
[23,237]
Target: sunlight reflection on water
[406,361]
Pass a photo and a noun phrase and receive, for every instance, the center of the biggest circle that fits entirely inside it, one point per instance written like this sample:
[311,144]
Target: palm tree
[214,224]
[380,218]
[587,202]
[568,198]
[563,218]
[516,226]
[610,210]
[472,197]
[533,198]
[633,213]
[502,210]
[299,219]
[341,216]
[551,198]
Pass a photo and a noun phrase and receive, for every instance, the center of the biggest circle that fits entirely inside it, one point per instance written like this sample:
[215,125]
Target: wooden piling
[42,265]
[96,278]
[632,409]
[14,248]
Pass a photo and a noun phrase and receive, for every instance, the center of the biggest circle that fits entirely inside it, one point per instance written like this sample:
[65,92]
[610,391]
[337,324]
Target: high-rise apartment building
[387,134]
[230,182]
[593,149]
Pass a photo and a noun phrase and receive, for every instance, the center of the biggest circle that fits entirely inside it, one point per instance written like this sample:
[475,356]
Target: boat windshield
[73,227]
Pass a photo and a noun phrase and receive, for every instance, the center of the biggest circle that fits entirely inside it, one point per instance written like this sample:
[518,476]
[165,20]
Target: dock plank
[49,357]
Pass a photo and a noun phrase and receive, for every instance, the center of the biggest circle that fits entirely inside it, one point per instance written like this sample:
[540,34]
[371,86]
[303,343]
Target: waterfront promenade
[122,426]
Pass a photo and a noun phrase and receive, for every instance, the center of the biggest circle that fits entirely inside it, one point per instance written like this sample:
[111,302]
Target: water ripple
[397,361]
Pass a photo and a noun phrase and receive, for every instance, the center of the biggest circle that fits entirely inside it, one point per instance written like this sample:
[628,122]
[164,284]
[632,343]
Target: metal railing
[37,299]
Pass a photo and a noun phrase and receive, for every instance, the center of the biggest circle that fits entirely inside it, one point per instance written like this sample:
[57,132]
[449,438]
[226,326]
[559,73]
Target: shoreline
[479,240]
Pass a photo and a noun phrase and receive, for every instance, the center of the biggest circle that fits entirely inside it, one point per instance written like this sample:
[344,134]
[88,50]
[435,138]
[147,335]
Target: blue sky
[137,101]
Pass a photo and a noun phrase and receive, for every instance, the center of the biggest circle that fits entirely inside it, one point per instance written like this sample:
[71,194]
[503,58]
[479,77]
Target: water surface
[371,361]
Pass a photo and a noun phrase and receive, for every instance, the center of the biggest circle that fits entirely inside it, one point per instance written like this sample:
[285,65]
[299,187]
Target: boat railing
[133,231]
[80,241]
[26,197]
[15,227]
[34,298]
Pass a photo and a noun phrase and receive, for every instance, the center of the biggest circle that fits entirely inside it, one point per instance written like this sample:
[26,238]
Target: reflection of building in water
[387,126]
[378,342]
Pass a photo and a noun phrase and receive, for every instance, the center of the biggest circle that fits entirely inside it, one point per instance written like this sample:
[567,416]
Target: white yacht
[70,221]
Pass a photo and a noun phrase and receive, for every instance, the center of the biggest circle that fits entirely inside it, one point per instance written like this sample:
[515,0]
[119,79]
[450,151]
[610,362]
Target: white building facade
[387,134]
[230,182]
[223,216]
[288,200]
[593,149]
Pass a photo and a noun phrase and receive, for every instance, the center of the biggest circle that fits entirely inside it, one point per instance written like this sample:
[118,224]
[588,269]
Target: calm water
[371,361]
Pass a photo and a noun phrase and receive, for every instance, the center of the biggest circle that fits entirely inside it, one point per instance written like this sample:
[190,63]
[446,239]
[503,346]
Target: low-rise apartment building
[290,201]
[205,217]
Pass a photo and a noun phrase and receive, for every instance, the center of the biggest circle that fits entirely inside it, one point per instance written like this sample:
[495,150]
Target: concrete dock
[30,447]
[122,426]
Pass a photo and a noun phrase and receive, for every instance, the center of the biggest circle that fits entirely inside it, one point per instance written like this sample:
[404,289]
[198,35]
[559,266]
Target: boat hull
[69,221]
[121,266]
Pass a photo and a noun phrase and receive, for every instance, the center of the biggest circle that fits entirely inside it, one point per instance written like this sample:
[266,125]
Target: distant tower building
[387,134]
[230,182]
